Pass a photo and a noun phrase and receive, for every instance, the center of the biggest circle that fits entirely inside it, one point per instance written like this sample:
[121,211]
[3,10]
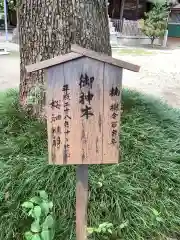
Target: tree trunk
[121,15]
[47,29]
[152,41]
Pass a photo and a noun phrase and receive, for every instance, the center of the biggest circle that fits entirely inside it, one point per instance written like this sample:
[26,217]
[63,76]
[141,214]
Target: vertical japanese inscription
[114,108]
[67,118]
[55,129]
[85,98]
[86,95]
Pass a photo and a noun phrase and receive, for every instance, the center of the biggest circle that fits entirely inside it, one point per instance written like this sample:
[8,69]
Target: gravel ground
[9,71]
[159,74]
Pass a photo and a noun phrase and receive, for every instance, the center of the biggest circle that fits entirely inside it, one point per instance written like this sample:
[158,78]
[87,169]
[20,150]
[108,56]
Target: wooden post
[121,14]
[81,201]
[137,10]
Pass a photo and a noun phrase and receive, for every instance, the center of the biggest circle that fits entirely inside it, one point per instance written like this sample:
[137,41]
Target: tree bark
[48,27]
[152,41]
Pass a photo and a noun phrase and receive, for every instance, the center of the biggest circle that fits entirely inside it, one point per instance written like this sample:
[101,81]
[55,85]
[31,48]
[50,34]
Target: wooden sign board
[83,92]
[83,112]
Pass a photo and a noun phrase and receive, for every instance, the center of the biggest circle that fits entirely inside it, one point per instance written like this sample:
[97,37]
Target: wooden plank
[85,136]
[111,119]
[55,113]
[80,106]
[81,130]
[81,201]
[121,14]
[72,73]
[92,133]
[54,61]
[137,10]
[104,58]
[77,52]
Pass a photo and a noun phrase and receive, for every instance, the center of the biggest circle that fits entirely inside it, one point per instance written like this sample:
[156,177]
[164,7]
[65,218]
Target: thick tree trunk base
[47,29]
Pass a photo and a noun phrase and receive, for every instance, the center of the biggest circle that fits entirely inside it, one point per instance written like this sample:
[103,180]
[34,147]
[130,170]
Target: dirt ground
[159,74]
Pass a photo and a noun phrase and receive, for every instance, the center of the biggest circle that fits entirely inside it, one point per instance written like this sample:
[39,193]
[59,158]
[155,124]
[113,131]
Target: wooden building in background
[174,24]
[128,9]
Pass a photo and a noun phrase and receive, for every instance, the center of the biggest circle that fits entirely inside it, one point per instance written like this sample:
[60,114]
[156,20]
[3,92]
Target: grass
[143,191]
[135,52]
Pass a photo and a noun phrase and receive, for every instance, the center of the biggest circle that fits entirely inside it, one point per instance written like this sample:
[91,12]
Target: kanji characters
[85,81]
[55,118]
[114,107]
[85,98]
[86,112]
[114,92]
[55,104]
[67,118]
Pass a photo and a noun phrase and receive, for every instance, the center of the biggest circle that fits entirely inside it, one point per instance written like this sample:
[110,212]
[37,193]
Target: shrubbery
[155,22]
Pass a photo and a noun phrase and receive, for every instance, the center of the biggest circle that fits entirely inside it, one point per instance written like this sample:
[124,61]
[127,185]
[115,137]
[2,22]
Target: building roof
[78,52]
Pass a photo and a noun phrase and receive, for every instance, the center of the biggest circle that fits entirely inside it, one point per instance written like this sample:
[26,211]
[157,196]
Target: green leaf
[27,205]
[43,195]
[35,200]
[52,233]
[31,213]
[50,205]
[100,184]
[110,231]
[98,230]
[155,212]
[45,235]
[124,224]
[37,212]
[36,237]
[28,235]
[159,219]
[102,225]
[48,223]
[109,225]
[90,230]
[45,208]
[35,227]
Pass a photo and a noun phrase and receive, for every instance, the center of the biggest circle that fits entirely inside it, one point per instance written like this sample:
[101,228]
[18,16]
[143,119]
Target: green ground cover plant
[39,210]
[140,196]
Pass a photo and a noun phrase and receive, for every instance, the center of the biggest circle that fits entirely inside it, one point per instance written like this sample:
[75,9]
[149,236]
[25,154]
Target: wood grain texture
[87,115]
[92,133]
[72,73]
[55,115]
[112,108]
[81,201]
[53,61]
[83,136]
[105,58]
[78,52]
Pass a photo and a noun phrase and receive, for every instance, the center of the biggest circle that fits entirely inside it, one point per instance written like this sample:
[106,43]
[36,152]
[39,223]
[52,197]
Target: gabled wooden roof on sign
[78,52]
